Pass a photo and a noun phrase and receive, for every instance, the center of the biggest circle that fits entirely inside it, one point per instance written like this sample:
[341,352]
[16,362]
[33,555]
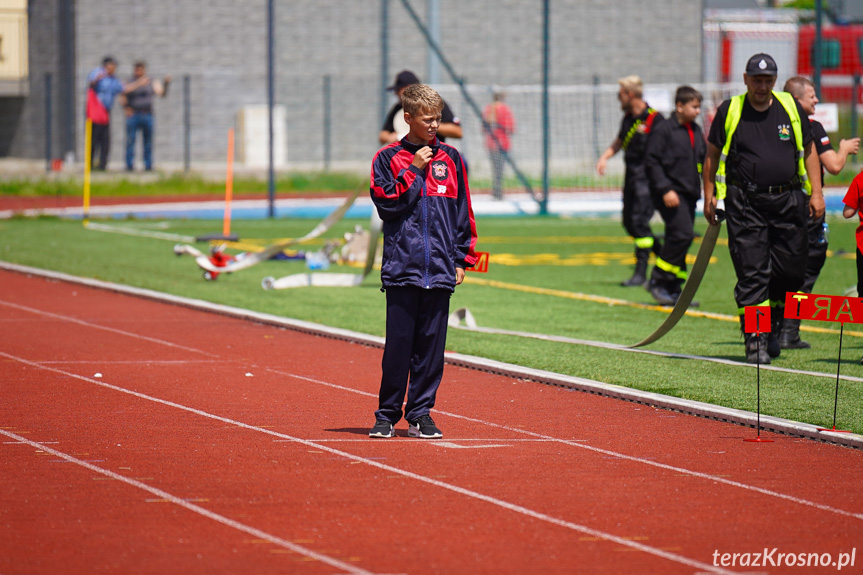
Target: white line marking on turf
[607,452]
[139,232]
[102,327]
[674,557]
[164,495]
[658,353]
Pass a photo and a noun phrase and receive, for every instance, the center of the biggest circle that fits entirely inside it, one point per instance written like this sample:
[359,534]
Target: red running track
[144,437]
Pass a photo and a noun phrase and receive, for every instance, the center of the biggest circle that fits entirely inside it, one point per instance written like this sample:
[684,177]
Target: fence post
[595,105]
[187,123]
[48,121]
[855,97]
[327,122]
[385,59]
[546,125]
[271,83]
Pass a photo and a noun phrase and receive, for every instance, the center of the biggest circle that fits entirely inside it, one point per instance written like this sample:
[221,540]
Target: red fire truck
[840,58]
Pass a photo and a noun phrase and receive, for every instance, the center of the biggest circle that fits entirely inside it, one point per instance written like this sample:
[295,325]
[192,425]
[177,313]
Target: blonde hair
[632,84]
[419,98]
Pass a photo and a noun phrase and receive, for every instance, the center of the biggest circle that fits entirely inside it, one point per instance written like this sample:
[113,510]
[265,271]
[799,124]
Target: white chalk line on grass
[577,443]
[657,552]
[102,327]
[164,495]
[658,353]
[130,231]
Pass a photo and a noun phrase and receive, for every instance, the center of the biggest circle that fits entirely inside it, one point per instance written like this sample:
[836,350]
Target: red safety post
[756,319]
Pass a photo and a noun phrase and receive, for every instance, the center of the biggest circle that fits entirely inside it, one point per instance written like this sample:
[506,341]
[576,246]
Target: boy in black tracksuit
[675,154]
[419,187]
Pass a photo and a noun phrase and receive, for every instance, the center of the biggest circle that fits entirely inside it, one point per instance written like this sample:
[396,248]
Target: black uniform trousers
[859,272]
[768,241]
[414,350]
[679,233]
[817,254]
[637,204]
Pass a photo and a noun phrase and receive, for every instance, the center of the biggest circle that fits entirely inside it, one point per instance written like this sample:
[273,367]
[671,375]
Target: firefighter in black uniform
[761,160]
[675,154]
[804,90]
[635,127]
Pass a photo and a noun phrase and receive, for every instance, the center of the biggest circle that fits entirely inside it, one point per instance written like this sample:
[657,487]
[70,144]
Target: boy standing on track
[419,187]
[675,154]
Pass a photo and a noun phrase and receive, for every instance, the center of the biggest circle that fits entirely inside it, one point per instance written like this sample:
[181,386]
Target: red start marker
[817,307]
[833,308]
[756,319]
[481,264]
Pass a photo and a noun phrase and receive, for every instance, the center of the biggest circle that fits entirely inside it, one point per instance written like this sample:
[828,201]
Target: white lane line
[451,445]
[102,327]
[657,552]
[165,496]
[130,362]
[414,441]
[575,443]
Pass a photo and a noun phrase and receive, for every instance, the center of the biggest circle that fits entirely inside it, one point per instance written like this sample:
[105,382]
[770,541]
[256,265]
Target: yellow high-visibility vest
[733,119]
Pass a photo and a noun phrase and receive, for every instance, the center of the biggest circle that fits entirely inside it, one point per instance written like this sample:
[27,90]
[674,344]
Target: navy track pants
[413,352]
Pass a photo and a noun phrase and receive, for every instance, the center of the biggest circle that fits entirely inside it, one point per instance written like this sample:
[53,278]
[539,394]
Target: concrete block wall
[221,46]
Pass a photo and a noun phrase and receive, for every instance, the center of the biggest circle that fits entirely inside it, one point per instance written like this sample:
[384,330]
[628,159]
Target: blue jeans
[144,122]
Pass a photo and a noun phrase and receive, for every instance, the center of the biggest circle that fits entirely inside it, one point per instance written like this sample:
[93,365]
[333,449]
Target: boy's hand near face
[422,157]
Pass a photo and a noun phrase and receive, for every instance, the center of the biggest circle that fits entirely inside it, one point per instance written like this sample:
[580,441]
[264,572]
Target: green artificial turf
[543,273]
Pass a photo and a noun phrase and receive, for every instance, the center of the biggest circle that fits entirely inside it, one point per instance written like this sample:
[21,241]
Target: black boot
[756,348]
[777,320]
[661,292]
[756,345]
[789,338]
[640,275]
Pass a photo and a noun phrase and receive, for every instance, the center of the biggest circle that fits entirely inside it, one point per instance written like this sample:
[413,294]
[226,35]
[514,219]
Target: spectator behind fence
[395,128]
[105,87]
[501,125]
[138,96]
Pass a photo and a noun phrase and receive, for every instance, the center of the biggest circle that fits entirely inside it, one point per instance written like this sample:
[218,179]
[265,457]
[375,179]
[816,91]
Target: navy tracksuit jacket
[429,230]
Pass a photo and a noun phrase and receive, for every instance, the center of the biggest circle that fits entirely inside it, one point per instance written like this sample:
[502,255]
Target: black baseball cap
[761,65]
[404,78]
[109,60]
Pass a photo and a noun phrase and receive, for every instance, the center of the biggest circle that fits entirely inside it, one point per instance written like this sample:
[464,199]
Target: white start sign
[828,115]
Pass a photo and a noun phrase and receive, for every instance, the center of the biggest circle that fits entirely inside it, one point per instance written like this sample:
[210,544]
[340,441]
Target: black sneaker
[424,428]
[382,428]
